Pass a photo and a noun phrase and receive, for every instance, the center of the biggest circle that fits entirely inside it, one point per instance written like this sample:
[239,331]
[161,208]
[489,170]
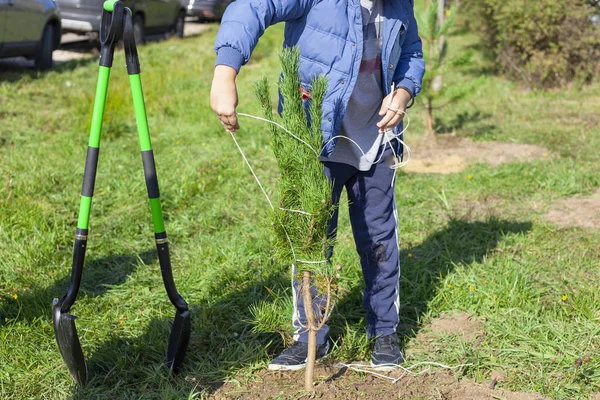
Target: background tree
[435,93]
[545,43]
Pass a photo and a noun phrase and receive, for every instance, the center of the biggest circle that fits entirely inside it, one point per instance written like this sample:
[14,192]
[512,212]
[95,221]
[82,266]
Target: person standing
[371,54]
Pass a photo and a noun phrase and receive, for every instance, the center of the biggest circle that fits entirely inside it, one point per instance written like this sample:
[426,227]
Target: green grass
[518,267]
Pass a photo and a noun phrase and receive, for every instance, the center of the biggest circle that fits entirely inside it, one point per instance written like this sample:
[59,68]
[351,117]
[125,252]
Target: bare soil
[576,211]
[464,325]
[449,154]
[335,382]
[343,384]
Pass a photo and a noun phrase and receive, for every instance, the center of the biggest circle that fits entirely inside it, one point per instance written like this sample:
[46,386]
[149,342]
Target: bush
[545,43]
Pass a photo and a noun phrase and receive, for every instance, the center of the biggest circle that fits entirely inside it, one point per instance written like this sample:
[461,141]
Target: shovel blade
[68,343]
[178,341]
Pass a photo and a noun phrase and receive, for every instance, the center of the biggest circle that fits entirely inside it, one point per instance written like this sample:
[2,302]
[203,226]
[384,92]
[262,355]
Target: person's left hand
[392,110]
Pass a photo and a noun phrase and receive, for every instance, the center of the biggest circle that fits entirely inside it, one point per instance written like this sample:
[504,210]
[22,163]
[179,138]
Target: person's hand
[392,110]
[224,97]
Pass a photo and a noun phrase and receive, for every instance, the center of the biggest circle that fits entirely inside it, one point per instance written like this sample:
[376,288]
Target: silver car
[29,28]
[150,17]
[206,10]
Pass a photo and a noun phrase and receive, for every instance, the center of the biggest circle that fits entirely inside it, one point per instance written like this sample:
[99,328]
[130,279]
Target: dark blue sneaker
[386,354]
[294,357]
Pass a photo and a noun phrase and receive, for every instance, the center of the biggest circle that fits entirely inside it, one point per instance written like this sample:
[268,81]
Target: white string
[387,139]
[295,211]
[312,262]
[406,370]
[387,142]
[264,192]
[395,167]
[282,127]
[251,170]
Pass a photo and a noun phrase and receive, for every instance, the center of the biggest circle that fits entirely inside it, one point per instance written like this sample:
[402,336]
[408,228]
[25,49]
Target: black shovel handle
[166,271]
[111,31]
[76,269]
[131,54]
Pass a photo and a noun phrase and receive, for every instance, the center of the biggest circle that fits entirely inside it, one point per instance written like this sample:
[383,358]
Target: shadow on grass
[98,276]
[470,123]
[459,243]
[15,70]
[221,344]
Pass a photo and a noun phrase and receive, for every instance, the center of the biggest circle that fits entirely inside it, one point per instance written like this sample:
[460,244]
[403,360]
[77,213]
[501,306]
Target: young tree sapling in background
[436,93]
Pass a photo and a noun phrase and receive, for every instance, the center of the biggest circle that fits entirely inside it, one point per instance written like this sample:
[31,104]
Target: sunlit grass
[534,286]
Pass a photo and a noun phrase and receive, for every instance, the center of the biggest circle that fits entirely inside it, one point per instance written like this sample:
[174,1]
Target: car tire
[179,24]
[43,59]
[138,29]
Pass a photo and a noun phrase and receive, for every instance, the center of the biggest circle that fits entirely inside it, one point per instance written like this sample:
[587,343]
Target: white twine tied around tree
[354,367]
[397,165]
[387,142]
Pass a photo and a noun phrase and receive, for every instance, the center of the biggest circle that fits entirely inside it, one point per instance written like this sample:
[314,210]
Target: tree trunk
[441,17]
[430,133]
[312,332]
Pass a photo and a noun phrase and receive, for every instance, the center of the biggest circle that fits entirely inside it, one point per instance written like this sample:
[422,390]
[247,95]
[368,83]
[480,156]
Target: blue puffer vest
[329,34]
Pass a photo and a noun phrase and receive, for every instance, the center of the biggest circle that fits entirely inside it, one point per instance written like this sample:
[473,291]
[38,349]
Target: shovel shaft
[87,190]
[116,23]
[91,161]
[160,234]
[180,332]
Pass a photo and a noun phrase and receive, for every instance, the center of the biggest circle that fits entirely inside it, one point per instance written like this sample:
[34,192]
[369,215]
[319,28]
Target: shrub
[544,43]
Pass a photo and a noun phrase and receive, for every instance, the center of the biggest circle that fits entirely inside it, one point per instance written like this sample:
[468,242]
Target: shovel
[116,25]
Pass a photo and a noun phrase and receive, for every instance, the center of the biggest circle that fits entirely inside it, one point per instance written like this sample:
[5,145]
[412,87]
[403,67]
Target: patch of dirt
[333,383]
[344,384]
[455,327]
[451,154]
[576,211]
[464,325]
[470,209]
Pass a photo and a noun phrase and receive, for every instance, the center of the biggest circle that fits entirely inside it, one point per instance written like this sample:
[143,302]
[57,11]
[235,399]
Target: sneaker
[386,353]
[294,357]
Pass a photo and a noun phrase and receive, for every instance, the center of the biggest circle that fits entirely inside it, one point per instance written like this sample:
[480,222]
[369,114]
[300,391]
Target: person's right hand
[224,97]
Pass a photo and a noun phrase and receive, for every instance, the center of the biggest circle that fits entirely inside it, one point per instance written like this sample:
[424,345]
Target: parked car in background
[150,17]
[206,10]
[29,28]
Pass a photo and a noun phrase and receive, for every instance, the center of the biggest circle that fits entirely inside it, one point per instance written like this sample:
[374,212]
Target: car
[150,17]
[206,10]
[29,28]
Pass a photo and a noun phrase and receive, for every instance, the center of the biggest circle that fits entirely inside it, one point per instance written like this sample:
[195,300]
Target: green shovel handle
[160,235]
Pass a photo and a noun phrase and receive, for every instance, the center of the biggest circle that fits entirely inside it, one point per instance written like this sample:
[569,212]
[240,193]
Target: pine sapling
[433,28]
[305,207]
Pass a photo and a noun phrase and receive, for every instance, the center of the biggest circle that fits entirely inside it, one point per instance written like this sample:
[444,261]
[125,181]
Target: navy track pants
[374,219]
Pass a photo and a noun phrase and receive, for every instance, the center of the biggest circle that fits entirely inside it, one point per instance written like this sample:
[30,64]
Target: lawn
[532,286]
